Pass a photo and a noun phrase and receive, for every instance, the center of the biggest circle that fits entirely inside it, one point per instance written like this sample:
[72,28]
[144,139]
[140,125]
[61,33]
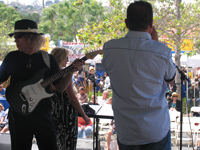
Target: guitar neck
[58,75]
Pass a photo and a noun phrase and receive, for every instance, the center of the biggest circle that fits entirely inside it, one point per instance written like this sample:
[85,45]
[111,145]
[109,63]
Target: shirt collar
[138,34]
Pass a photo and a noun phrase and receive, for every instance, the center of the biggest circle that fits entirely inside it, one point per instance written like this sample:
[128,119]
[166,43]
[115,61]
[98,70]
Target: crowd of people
[84,78]
[192,92]
[3,119]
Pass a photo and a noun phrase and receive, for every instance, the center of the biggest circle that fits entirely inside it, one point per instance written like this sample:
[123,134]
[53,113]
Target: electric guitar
[24,96]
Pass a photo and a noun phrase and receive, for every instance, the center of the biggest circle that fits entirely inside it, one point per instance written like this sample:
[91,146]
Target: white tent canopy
[97,59]
[193,61]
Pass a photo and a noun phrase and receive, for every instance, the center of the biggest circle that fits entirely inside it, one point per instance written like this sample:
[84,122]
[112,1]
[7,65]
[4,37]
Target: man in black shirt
[21,65]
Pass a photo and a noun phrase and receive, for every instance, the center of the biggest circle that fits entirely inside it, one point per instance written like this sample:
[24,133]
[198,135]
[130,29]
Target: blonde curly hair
[60,54]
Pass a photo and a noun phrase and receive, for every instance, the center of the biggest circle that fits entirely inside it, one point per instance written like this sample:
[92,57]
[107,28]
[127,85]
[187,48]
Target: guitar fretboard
[58,75]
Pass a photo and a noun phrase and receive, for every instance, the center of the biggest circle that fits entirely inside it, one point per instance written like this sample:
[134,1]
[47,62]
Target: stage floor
[82,144]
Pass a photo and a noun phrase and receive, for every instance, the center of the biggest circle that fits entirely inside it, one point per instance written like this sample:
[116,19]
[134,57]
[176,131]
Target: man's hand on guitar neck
[77,65]
[65,81]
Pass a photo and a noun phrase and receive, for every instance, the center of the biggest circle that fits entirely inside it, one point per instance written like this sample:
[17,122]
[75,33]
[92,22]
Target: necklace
[28,65]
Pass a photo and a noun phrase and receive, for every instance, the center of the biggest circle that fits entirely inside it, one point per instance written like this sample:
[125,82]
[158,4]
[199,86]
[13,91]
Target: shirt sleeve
[3,114]
[170,71]
[5,69]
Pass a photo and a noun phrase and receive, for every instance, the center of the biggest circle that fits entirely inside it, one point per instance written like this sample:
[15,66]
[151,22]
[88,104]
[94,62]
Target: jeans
[87,132]
[164,144]
[196,102]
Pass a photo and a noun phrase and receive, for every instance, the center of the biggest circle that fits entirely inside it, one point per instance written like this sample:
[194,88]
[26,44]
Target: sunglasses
[18,36]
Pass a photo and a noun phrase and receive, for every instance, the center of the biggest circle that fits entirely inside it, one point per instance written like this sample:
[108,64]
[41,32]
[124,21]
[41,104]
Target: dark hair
[80,71]
[82,88]
[139,15]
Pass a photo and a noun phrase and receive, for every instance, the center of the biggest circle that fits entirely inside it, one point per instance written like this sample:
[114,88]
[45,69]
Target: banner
[187,44]
[75,48]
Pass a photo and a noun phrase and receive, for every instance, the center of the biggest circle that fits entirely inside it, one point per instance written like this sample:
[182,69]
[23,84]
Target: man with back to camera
[139,68]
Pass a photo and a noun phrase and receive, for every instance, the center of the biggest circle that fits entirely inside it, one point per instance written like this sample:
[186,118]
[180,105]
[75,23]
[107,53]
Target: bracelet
[71,73]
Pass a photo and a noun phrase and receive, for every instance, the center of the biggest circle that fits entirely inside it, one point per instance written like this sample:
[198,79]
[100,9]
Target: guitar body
[24,96]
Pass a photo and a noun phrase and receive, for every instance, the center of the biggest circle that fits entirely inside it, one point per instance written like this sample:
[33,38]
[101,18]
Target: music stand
[97,116]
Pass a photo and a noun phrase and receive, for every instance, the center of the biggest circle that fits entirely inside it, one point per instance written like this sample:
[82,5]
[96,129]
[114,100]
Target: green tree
[177,21]
[32,16]
[8,16]
[63,20]
[97,34]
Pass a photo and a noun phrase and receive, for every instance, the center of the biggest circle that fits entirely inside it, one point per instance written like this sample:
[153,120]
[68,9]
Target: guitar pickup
[23,97]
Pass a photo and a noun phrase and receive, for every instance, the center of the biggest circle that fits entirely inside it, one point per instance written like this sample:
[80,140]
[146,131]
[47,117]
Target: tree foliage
[97,34]
[177,21]
[63,20]
[8,16]
[32,16]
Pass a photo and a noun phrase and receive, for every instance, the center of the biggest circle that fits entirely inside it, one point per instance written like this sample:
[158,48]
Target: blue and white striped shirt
[138,68]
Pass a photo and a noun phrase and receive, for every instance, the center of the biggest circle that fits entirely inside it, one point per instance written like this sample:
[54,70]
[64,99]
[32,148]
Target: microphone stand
[94,120]
[183,78]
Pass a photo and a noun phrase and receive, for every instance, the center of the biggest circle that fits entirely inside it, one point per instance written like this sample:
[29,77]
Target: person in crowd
[197,73]
[82,96]
[81,78]
[197,77]
[25,66]
[5,126]
[84,130]
[91,76]
[65,106]
[92,102]
[109,100]
[104,98]
[111,129]
[135,64]
[188,77]
[168,95]
[101,84]
[193,95]
[106,81]
[174,103]
[110,132]
[2,116]
[2,90]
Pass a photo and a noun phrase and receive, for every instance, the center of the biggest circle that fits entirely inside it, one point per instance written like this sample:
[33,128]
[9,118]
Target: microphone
[183,76]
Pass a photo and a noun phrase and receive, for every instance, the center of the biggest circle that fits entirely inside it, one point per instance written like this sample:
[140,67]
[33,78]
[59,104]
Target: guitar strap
[45,58]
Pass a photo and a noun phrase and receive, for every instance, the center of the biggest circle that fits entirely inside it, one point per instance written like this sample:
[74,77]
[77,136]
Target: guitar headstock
[93,54]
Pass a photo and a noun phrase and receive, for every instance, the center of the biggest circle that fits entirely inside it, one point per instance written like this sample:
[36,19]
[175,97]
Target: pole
[183,78]
[42,3]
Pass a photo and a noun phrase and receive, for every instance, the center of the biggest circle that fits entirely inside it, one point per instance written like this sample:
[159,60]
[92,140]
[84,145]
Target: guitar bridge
[23,97]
